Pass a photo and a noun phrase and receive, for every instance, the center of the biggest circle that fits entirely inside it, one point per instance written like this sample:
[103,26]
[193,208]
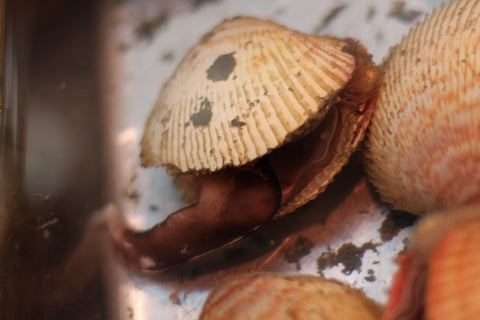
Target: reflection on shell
[424,138]
[246,88]
[273,296]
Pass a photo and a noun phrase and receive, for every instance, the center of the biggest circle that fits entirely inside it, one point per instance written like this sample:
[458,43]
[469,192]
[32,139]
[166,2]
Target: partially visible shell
[453,280]
[424,137]
[246,88]
[439,276]
[274,296]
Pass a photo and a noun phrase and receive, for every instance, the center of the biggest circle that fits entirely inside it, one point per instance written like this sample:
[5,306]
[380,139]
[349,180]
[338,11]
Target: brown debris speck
[394,222]
[168,56]
[299,249]
[334,12]
[174,297]
[370,276]
[146,29]
[197,3]
[237,123]
[349,255]
[400,12]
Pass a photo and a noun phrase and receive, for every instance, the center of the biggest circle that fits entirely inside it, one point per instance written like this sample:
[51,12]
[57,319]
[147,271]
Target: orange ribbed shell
[453,281]
[424,137]
[268,296]
[246,88]
[439,275]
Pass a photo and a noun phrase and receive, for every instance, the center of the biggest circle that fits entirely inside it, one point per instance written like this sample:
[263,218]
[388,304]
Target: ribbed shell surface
[240,92]
[265,296]
[453,281]
[424,137]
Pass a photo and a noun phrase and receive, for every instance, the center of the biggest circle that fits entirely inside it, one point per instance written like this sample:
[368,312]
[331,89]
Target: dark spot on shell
[299,249]
[403,52]
[222,67]
[237,123]
[394,222]
[204,115]
[350,49]
[348,254]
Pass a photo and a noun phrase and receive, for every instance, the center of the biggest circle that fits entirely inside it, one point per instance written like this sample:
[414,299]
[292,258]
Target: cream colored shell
[424,137]
[273,296]
[243,90]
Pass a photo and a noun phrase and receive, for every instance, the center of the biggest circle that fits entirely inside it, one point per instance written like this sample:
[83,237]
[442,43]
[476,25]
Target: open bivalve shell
[273,296]
[439,276]
[255,122]
[423,146]
[246,88]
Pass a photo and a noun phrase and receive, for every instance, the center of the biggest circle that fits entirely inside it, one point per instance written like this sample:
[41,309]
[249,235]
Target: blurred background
[52,161]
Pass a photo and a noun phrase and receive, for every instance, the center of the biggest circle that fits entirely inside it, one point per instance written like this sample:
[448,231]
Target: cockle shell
[423,144]
[439,278]
[274,296]
[246,88]
[453,281]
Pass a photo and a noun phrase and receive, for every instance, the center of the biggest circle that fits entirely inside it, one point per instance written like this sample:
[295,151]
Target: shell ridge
[251,130]
[319,57]
[265,132]
[293,108]
[237,141]
[267,109]
[277,126]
